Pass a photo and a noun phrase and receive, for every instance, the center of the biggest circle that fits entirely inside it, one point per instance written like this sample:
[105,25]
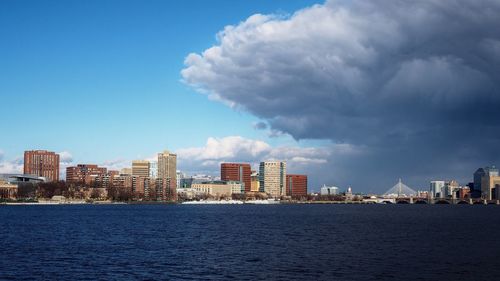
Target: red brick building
[42,163]
[296,185]
[84,173]
[241,172]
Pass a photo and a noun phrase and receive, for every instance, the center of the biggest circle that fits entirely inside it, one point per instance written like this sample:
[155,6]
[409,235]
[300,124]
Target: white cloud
[117,164]
[14,166]
[232,147]
[207,159]
[65,157]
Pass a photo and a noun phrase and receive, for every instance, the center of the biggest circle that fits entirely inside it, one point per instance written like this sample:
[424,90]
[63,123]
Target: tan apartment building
[140,168]
[272,178]
[167,167]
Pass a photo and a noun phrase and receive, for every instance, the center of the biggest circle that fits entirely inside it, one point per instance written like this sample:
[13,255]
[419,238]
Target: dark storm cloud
[260,126]
[415,82]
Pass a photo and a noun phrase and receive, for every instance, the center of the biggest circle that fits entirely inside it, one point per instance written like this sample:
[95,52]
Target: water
[278,242]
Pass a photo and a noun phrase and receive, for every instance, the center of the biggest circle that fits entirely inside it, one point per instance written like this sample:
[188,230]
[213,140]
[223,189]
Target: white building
[437,189]
[153,169]
[329,190]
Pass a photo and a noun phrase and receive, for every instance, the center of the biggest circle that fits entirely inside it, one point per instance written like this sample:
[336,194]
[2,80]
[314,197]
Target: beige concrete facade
[167,167]
[140,168]
[272,178]
[254,183]
[218,188]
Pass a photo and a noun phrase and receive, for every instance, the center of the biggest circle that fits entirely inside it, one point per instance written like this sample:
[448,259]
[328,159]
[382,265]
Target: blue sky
[101,79]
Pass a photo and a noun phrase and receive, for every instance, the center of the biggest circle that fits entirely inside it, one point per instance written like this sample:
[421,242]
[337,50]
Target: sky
[351,93]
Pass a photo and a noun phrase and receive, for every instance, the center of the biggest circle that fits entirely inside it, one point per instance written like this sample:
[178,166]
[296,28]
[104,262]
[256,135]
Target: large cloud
[416,82]
[307,160]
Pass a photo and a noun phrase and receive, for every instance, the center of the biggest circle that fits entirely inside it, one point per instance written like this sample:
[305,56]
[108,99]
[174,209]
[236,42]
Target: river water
[249,242]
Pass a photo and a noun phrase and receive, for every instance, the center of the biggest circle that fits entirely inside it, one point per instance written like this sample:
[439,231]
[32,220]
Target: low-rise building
[219,188]
[296,185]
[254,183]
[329,190]
[7,190]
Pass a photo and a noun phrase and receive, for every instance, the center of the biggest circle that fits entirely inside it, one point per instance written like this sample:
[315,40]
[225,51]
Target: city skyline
[102,78]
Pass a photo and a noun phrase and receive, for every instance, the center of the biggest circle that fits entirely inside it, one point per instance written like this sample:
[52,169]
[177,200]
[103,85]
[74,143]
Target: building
[476,189]
[26,184]
[104,180]
[42,163]
[463,192]
[490,183]
[437,189]
[186,182]
[126,171]
[7,190]
[165,190]
[450,189]
[167,167]
[272,178]
[241,172]
[219,188]
[153,169]
[84,173]
[348,193]
[254,183]
[329,190]
[140,168]
[296,185]
[179,178]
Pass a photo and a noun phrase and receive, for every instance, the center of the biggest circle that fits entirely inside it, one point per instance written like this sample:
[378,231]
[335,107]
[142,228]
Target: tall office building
[490,183]
[153,169]
[42,163]
[296,185]
[437,189]
[450,189]
[167,167]
[272,178]
[241,172]
[140,168]
[476,187]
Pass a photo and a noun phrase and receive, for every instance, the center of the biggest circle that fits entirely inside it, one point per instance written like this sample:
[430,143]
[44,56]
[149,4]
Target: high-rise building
[476,187]
[179,177]
[490,183]
[42,163]
[153,169]
[450,189]
[140,168]
[82,173]
[241,172]
[254,184]
[437,189]
[296,185]
[167,167]
[272,178]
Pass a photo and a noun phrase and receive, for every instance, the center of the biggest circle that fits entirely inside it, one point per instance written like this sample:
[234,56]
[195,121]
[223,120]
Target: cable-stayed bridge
[400,190]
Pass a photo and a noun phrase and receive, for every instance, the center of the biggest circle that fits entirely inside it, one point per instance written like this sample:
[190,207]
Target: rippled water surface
[278,242]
